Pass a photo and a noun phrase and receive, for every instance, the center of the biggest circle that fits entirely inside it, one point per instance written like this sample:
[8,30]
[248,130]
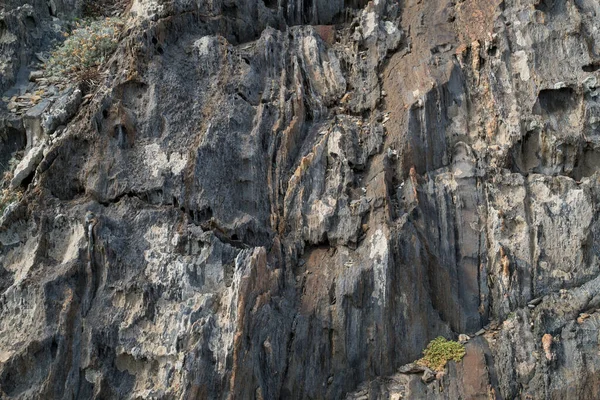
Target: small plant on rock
[439,351]
[88,46]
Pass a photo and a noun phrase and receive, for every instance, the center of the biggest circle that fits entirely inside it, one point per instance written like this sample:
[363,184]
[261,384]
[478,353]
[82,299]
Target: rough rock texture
[290,199]
[25,28]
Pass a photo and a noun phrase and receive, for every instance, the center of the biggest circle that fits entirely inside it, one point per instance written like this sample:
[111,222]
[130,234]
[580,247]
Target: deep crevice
[272,4]
[555,100]
[593,67]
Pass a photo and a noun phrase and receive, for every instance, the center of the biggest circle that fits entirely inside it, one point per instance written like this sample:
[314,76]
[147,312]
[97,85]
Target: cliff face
[291,198]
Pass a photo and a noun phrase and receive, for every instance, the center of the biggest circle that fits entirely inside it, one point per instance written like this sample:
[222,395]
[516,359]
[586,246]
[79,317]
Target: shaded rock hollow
[292,198]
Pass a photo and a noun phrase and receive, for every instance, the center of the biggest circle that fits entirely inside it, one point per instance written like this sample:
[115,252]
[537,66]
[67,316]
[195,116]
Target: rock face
[292,198]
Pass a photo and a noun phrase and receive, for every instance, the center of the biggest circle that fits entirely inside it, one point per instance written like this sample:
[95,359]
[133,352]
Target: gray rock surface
[27,166]
[292,198]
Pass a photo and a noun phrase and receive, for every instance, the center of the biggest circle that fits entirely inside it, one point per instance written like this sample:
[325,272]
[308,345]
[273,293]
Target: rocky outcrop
[290,199]
[26,28]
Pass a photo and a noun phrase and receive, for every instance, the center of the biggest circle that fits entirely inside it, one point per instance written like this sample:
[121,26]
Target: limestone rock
[33,124]
[27,165]
[62,110]
[293,198]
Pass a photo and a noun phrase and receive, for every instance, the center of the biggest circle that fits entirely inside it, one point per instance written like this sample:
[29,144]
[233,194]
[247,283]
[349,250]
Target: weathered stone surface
[291,199]
[27,27]
[34,127]
[27,165]
[62,110]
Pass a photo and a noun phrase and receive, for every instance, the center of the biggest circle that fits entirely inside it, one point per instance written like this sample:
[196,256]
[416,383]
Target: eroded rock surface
[290,199]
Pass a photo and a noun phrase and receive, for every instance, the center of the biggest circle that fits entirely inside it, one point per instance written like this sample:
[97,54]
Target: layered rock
[292,198]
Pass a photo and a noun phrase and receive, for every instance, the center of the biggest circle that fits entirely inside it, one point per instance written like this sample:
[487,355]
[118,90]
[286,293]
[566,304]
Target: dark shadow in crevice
[552,101]
[272,4]
[593,67]
[551,6]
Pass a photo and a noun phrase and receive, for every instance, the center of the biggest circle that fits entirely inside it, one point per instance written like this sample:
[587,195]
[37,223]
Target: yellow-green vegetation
[86,47]
[439,351]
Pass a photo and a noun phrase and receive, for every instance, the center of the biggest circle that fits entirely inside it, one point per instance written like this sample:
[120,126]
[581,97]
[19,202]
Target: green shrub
[87,46]
[439,351]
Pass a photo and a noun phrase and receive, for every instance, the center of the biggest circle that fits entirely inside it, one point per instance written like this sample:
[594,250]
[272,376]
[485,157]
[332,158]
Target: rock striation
[269,199]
